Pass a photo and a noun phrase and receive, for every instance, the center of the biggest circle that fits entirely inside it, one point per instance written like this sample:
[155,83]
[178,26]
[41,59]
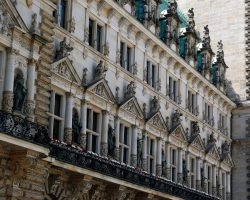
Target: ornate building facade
[111,100]
[233,29]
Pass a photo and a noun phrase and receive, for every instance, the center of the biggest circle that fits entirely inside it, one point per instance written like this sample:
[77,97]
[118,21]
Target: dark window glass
[56,129]
[87,141]
[126,135]
[63,7]
[173,157]
[125,155]
[151,147]
[122,53]
[151,165]
[88,119]
[170,87]
[128,58]
[94,143]
[173,174]
[153,75]
[99,38]
[57,105]
[174,90]
[95,121]
[148,72]
[91,32]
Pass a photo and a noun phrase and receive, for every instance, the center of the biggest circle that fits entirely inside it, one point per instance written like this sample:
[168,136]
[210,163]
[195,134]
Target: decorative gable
[213,152]
[9,17]
[102,89]
[131,105]
[64,68]
[179,133]
[157,121]
[227,160]
[197,143]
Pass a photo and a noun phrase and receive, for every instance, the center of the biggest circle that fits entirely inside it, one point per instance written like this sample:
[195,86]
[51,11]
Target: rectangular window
[152,74]
[125,56]
[55,113]
[173,165]
[151,155]
[63,13]
[122,45]
[95,35]
[173,89]
[192,102]
[209,181]
[192,173]
[124,139]
[93,130]
[99,38]
[91,32]
[208,115]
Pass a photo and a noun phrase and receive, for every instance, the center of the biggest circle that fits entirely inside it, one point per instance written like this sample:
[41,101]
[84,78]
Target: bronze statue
[19,93]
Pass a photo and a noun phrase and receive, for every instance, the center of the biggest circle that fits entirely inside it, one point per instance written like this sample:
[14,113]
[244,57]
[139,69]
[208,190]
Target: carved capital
[68,135]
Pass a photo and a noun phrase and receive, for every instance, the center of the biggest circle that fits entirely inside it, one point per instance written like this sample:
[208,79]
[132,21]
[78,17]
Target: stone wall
[226,20]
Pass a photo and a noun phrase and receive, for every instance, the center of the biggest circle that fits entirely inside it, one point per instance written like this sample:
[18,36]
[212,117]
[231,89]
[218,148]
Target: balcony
[21,128]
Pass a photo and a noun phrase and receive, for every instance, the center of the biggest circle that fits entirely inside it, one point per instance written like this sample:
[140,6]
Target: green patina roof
[181,15]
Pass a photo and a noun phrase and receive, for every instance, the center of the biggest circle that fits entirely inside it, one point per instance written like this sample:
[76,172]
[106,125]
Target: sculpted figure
[19,93]
[101,70]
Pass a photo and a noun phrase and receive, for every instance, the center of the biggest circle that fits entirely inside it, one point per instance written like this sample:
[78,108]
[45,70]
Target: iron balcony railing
[21,128]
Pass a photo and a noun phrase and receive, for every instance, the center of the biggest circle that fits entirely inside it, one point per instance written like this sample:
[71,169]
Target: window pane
[94,143]
[95,121]
[121,53]
[91,32]
[126,135]
[128,58]
[153,75]
[99,38]
[151,146]
[125,155]
[88,118]
[56,129]
[148,72]
[63,7]
[151,165]
[57,105]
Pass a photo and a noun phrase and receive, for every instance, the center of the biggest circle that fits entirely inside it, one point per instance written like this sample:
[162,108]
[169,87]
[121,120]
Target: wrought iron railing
[123,172]
[21,128]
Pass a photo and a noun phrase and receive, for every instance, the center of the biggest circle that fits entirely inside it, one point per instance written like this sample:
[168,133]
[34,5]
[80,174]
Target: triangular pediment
[102,89]
[179,133]
[131,105]
[64,68]
[157,120]
[9,17]
[213,152]
[197,143]
[227,160]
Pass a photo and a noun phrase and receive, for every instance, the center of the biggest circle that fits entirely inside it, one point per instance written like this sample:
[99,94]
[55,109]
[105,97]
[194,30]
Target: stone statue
[19,93]
[220,52]
[33,23]
[84,76]
[155,105]
[176,118]
[130,90]
[100,71]
[185,172]
[172,7]
[111,142]
[191,22]
[206,38]
[139,152]
[164,164]
[76,127]
[63,50]
[225,147]
[195,129]
[211,139]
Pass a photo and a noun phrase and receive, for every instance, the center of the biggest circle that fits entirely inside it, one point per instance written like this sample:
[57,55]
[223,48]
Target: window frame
[122,145]
[173,165]
[193,172]
[151,154]
[150,80]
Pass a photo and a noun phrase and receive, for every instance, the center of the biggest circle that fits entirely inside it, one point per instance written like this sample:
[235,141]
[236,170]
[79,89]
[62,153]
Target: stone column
[214,180]
[104,133]
[68,119]
[188,168]
[228,186]
[159,157]
[220,183]
[134,147]
[198,173]
[168,153]
[8,95]
[86,26]
[144,153]
[117,134]
[30,104]
[83,135]
[205,177]
[180,174]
